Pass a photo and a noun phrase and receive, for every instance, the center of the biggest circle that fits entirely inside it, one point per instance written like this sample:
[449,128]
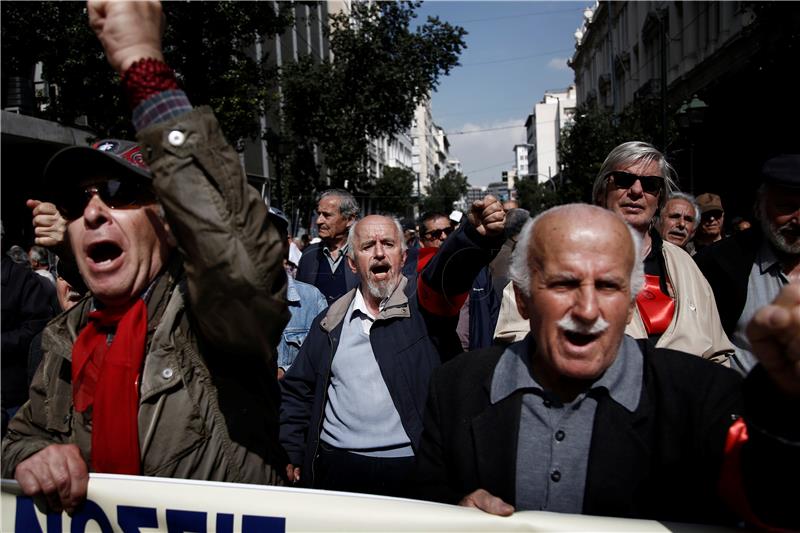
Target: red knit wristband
[147,77]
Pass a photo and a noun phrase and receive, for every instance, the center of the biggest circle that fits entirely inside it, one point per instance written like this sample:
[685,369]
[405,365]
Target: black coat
[27,306]
[726,264]
[661,462]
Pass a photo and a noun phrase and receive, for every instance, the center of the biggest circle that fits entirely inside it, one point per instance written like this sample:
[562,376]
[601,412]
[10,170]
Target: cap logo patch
[106,146]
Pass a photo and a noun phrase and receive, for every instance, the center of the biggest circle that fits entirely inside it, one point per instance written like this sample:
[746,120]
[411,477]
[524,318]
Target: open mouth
[382,268]
[102,252]
[580,339]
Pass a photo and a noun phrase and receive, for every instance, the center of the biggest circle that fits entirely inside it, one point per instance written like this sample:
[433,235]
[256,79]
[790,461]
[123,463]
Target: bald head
[576,272]
[578,229]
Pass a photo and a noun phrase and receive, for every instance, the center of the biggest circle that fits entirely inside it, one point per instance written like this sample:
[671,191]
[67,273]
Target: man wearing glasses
[712,218]
[435,229]
[676,307]
[478,315]
[168,368]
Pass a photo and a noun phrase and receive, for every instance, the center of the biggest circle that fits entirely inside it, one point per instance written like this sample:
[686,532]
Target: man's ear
[351,264]
[631,307]
[522,303]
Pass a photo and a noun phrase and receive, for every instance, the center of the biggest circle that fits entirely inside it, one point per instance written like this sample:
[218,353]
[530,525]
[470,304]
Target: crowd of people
[623,359]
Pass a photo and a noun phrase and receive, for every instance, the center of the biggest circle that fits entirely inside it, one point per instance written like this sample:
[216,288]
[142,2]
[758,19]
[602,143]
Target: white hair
[351,236]
[688,198]
[519,270]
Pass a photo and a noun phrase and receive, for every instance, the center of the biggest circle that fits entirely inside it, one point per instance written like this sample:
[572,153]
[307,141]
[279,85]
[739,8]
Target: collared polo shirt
[334,263]
[555,437]
[765,282]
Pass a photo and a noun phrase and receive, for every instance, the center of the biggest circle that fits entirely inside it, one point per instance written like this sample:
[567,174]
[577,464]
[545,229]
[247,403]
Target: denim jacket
[305,303]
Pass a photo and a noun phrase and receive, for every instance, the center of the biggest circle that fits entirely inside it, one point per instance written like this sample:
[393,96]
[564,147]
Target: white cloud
[558,63]
[485,155]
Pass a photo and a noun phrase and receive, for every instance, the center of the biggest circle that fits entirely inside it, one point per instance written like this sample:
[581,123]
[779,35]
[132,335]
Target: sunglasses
[437,233]
[625,180]
[116,194]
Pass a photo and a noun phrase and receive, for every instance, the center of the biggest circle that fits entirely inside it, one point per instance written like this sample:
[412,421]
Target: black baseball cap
[782,170]
[111,157]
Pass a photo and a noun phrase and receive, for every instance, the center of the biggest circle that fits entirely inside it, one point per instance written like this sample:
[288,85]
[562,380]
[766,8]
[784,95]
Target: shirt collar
[622,380]
[291,289]
[342,251]
[767,258]
[360,305]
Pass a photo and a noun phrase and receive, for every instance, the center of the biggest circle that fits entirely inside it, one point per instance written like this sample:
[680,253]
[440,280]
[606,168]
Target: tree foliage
[207,43]
[536,197]
[391,193]
[442,192]
[381,70]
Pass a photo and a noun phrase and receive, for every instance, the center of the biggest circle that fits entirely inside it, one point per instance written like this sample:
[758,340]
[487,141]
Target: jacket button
[560,435]
[166,373]
[176,138]
[555,476]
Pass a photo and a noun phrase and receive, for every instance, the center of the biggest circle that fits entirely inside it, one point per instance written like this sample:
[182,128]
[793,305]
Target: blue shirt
[305,303]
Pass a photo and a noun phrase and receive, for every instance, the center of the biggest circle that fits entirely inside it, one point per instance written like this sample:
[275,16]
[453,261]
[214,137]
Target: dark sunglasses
[625,180]
[116,194]
[437,233]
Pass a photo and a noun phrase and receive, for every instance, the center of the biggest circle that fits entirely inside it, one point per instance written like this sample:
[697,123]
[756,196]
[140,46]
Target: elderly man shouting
[579,418]
[351,414]
[168,368]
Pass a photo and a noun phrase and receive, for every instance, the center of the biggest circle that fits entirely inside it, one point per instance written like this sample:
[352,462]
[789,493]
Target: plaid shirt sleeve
[160,107]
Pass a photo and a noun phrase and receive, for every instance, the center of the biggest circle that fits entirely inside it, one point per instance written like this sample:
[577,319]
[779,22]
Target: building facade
[544,127]
[730,58]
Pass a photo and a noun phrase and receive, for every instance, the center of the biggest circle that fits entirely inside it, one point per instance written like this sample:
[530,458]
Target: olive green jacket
[209,398]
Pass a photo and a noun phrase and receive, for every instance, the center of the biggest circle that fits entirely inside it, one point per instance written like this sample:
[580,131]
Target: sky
[515,52]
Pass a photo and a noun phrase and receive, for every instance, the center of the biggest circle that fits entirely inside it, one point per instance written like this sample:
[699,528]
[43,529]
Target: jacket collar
[396,306]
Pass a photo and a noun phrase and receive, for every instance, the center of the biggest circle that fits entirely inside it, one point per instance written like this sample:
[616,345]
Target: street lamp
[690,115]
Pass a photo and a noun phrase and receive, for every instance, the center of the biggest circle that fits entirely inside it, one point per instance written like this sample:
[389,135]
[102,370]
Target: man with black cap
[747,270]
[168,368]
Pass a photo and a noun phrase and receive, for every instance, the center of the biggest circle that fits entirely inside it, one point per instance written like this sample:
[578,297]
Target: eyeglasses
[116,194]
[708,215]
[437,233]
[625,180]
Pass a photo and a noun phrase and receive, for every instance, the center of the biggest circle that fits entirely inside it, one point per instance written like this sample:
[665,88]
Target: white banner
[132,504]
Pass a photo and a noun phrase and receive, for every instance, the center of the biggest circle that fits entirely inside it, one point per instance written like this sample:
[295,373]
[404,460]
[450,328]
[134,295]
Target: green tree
[536,197]
[381,70]
[207,43]
[442,192]
[391,193]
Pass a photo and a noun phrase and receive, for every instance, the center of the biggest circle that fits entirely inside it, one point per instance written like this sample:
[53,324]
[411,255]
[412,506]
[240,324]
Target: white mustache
[570,325]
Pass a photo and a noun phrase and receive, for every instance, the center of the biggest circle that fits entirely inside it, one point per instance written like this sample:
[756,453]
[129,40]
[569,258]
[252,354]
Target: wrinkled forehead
[676,204]
[329,204]
[376,229]
[590,237]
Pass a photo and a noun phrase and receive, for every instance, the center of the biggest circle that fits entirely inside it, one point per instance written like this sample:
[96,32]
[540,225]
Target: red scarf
[655,307]
[106,377]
